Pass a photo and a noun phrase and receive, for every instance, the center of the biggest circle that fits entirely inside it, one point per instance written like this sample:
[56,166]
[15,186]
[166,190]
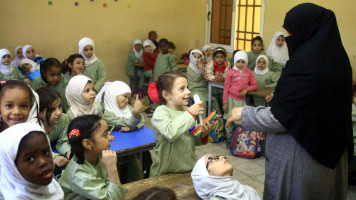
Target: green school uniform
[58,136]
[86,181]
[267,80]
[164,63]
[15,74]
[233,103]
[118,122]
[130,68]
[231,61]
[354,126]
[71,116]
[60,87]
[252,59]
[207,59]
[276,67]
[96,72]
[175,146]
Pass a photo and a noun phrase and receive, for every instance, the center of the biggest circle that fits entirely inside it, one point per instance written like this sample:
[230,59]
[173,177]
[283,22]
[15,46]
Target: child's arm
[100,73]
[62,144]
[173,63]
[273,79]
[209,71]
[192,76]
[227,69]
[253,83]
[226,90]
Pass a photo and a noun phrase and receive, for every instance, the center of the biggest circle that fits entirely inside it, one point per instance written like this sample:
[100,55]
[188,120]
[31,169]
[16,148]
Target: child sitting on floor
[30,69]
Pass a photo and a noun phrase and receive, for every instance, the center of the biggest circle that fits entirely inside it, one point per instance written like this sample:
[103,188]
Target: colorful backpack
[245,144]
[218,133]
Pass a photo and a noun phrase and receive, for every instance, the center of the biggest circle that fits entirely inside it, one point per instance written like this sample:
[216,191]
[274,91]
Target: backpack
[245,144]
[218,132]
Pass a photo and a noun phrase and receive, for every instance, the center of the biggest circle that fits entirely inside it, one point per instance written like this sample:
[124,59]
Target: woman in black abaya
[308,125]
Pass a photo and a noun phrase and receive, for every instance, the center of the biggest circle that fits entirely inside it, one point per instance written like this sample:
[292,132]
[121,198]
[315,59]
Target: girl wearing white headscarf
[78,106]
[136,64]
[94,67]
[18,56]
[29,52]
[149,57]
[8,71]
[264,77]
[277,49]
[208,52]
[30,68]
[13,184]
[219,187]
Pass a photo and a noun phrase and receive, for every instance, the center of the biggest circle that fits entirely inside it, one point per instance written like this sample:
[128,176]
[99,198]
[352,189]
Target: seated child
[81,95]
[51,75]
[171,121]
[278,51]
[29,52]
[18,56]
[207,51]
[30,69]
[94,67]
[135,66]
[91,173]
[8,71]
[171,49]
[165,61]
[73,66]
[213,180]
[149,57]
[26,164]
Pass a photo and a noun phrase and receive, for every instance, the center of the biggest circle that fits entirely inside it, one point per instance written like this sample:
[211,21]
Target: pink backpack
[245,144]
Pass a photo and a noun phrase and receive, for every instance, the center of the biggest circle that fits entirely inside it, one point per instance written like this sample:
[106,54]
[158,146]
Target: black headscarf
[313,96]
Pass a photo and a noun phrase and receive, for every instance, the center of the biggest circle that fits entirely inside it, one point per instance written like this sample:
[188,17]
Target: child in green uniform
[94,67]
[278,51]
[207,51]
[171,121]
[73,66]
[120,114]
[264,77]
[257,49]
[55,124]
[7,71]
[80,95]
[51,75]
[91,173]
[135,65]
[165,61]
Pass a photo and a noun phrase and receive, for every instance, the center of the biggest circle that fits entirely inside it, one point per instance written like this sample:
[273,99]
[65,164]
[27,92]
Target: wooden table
[182,185]
[262,92]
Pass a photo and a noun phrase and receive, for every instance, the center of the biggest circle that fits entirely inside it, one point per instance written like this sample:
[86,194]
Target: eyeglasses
[213,158]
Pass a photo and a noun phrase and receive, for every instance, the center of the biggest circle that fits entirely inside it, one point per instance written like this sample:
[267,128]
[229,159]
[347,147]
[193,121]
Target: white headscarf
[149,43]
[12,184]
[115,89]
[84,42]
[193,62]
[74,97]
[16,61]
[35,66]
[32,117]
[240,55]
[226,187]
[278,54]
[139,53]
[5,69]
[98,97]
[206,47]
[265,70]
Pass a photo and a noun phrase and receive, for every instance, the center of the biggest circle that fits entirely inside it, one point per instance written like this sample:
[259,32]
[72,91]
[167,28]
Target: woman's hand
[207,128]
[197,108]
[235,115]
[60,161]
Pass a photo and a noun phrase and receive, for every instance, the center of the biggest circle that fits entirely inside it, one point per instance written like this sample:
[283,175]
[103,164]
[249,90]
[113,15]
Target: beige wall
[345,14]
[55,30]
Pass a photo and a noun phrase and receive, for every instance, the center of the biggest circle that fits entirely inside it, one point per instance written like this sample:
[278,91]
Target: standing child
[165,61]
[257,49]
[239,81]
[120,114]
[18,56]
[26,164]
[277,50]
[149,57]
[30,69]
[81,95]
[216,71]
[175,146]
[92,172]
[94,67]
[29,52]
[73,66]
[8,71]
[51,75]
[152,35]
[264,77]
[207,51]
[135,65]
[171,49]
[55,124]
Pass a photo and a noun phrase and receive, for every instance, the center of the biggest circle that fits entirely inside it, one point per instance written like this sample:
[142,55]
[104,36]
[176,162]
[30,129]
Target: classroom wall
[344,10]
[55,30]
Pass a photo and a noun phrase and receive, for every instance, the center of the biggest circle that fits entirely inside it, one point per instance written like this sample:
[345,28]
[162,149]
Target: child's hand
[109,159]
[243,92]
[111,137]
[207,128]
[68,154]
[260,135]
[269,98]
[197,109]
[125,129]
[60,161]
[201,66]
[137,107]
[225,107]
[221,78]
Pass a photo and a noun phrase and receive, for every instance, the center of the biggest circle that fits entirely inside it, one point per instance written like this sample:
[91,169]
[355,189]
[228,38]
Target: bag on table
[245,144]
[218,132]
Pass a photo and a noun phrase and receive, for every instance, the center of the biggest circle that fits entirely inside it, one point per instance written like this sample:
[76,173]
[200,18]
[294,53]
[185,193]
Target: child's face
[240,64]
[148,49]
[218,167]
[163,47]
[6,59]
[261,64]
[77,66]
[123,100]
[26,67]
[101,139]
[88,51]
[153,36]
[257,46]
[197,56]
[354,98]
[53,75]
[179,95]
[170,50]
[15,106]
[56,114]
[89,93]
[19,53]
[208,52]
[219,58]
[30,53]
[280,41]
[34,160]
[138,47]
